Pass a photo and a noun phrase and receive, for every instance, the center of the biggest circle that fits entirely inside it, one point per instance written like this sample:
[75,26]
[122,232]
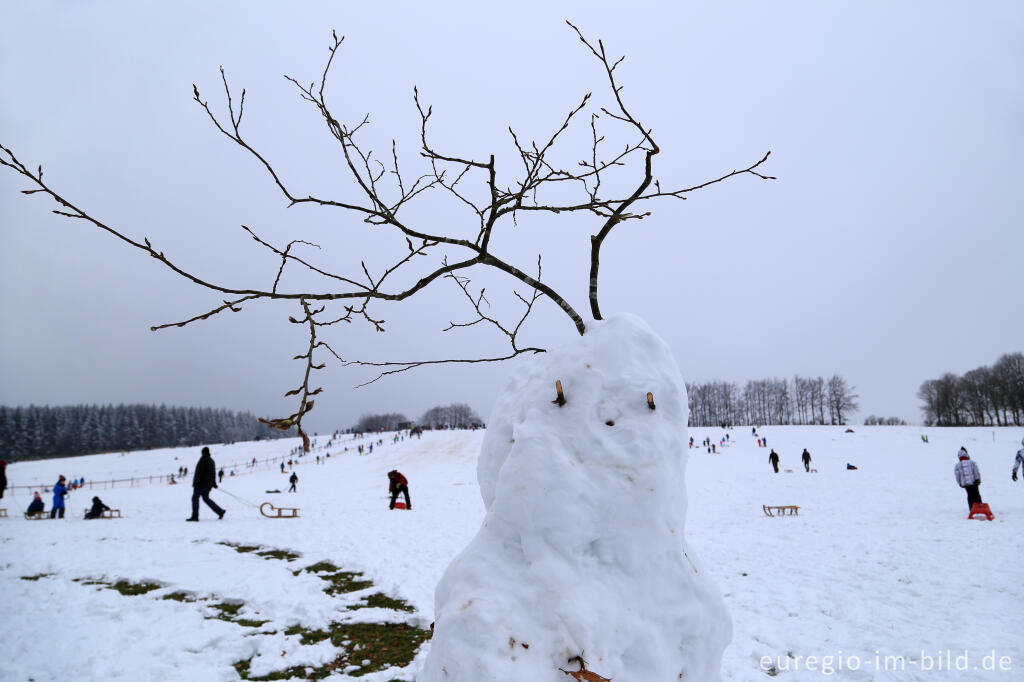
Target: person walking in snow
[1019,460]
[203,480]
[806,457]
[220,476]
[774,459]
[97,509]
[59,491]
[3,477]
[397,483]
[968,477]
[293,479]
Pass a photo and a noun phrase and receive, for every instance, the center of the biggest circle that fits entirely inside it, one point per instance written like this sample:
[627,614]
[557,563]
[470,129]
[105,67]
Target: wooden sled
[37,515]
[111,514]
[780,509]
[279,512]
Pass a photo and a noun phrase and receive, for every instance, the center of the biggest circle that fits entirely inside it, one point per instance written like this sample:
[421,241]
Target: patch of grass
[382,644]
[380,600]
[242,668]
[321,567]
[241,549]
[250,623]
[180,596]
[134,589]
[229,613]
[37,577]
[278,554]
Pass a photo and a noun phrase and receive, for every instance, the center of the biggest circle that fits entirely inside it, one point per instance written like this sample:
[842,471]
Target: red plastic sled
[981,509]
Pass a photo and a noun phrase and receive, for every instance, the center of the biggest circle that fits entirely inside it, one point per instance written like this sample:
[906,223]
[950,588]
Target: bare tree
[841,399]
[613,183]
[454,416]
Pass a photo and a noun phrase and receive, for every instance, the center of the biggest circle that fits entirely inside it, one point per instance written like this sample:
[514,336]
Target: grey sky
[888,250]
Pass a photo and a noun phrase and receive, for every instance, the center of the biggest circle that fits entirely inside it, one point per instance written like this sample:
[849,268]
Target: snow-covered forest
[36,432]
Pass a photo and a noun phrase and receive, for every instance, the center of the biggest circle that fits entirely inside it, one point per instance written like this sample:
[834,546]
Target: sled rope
[243,501]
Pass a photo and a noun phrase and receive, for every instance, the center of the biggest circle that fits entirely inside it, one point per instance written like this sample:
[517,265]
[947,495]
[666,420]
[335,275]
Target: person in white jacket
[1019,461]
[968,477]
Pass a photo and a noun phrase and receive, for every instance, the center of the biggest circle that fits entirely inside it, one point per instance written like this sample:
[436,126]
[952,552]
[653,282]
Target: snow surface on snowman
[582,552]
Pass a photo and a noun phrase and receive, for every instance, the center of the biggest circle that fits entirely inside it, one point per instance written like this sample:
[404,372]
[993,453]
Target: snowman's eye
[610,423]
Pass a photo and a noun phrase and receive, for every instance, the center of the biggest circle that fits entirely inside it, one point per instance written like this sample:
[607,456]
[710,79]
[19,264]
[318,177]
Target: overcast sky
[888,250]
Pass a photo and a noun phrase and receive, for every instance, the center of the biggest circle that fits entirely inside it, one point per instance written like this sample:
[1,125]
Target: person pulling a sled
[968,477]
[293,479]
[774,459]
[97,509]
[397,483]
[59,491]
[806,457]
[203,480]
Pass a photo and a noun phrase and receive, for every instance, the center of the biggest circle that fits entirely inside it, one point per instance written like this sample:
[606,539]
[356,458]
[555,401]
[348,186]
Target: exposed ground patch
[367,647]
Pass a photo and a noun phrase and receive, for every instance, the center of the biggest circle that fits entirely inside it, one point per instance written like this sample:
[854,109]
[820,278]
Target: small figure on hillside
[220,476]
[203,480]
[806,458]
[293,479]
[3,477]
[397,483]
[59,491]
[774,459]
[36,505]
[1019,460]
[968,477]
[97,509]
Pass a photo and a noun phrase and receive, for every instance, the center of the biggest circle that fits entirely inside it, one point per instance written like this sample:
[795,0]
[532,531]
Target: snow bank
[582,551]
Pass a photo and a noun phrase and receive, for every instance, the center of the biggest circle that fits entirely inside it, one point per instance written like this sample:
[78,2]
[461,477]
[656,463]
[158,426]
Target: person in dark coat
[59,491]
[97,509]
[220,476]
[203,480]
[806,457]
[3,477]
[36,505]
[293,479]
[774,459]
[397,483]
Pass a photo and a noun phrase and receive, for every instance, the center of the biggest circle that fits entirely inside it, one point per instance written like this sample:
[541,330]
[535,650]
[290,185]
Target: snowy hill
[881,563]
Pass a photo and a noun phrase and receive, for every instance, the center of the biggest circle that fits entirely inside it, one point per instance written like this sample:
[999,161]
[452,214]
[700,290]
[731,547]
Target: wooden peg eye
[560,399]
[650,400]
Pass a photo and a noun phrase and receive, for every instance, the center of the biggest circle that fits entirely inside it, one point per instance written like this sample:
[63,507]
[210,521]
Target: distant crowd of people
[205,479]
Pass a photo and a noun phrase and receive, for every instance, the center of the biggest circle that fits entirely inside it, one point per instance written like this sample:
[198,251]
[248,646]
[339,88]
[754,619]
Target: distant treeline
[986,396]
[454,416]
[805,400]
[40,432]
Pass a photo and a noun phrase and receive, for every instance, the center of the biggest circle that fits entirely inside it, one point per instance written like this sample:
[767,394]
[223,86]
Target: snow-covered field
[880,577]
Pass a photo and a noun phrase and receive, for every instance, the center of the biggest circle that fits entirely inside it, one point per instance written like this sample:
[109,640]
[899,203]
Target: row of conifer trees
[36,432]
